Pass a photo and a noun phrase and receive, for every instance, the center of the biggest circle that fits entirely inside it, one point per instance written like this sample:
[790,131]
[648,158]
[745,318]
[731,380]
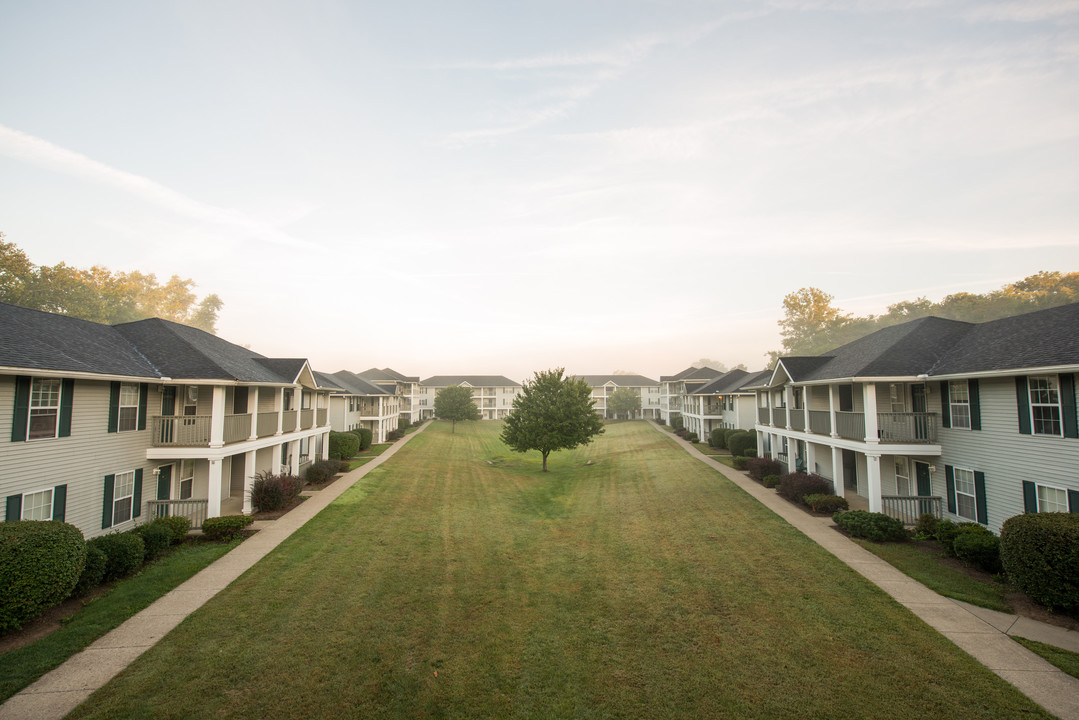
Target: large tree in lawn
[551,413]
[455,403]
[624,401]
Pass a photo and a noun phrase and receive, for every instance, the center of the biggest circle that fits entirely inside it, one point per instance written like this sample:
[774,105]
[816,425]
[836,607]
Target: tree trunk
[545,460]
[453,427]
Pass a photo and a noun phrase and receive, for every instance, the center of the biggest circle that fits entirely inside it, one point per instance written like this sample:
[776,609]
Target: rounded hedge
[877,527]
[365,436]
[93,571]
[978,548]
[178,525]
[124,553]
[322,471]
[739,442]
[343,445]
[1040,554]
[225,527]
[40,564]
[155,537]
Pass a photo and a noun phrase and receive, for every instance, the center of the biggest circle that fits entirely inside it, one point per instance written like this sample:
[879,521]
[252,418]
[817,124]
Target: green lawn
[1064,659]
[457,580]
[21,667]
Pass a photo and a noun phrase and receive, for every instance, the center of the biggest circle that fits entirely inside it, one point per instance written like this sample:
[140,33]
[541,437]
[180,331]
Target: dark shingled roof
[726,383]
[473,380]
[1044,338]
[619,380]
[353,384]
[386,375]
[705,373]
[326,380]
[755,380]
[45,341]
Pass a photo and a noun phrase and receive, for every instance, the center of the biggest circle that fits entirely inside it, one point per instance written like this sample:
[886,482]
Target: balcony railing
[288,421]
[307,418]
[193,509]
[909,509]
[850,425]
[321,416]
[907,427]
[237,427]
[762,416]
[181,430]
[820,422]
[266,424]
[798,419]
[779,417]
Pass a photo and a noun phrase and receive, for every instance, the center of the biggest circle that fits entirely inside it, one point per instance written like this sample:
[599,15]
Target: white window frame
[131,420]
[1052,386]
[120,482]
[185,475]
[973,494]
[26,505]
[38,408]
[1038,495]
[959,407]
[904,464]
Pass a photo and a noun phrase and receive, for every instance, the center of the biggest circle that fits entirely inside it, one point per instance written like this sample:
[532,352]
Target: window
[123,494]
[129,407]
[186,481]
[305,446]
[1045,405]
[37,506]
[959,404]
[44,408]
[966,505]
[797,392]
[286,399]
[1051,499]
[305,400]
[902,477]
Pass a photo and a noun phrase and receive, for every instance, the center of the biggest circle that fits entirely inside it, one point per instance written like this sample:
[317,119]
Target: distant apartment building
[674,388]
[603,386]
[357,403]
[493,394]
[405,388]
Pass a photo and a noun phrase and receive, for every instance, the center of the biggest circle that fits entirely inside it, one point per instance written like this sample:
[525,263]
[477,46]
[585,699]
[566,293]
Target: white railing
[181,430]
[907,427]
[237,427]
[909,509]
[192,508]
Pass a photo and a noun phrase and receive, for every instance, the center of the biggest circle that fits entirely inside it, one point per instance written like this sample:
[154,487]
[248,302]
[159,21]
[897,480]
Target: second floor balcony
[902,427]
[197,430]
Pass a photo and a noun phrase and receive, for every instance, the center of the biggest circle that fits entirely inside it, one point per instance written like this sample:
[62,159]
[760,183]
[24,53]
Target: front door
[925,486]
[164,486]
[919,407]
[168,408]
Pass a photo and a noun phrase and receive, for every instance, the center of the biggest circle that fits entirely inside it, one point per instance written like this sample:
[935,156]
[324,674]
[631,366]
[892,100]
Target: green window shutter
[14,508]
[21,414]
[144,390]
[136,500]
[1030,497]
[67,392]
[945,405]
[979,497]
[114,406]
[949,481]
[1073,501]
[106,505]
[975,405]
[1022,401]
[1067,405]
[59,502]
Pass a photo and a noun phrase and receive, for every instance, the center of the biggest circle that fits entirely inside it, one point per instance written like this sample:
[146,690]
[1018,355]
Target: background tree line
[812,325]
[101,295]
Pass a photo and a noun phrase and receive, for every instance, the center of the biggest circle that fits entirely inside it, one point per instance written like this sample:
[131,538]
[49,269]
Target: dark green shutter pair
[21,418]
[1030,498]
[106,504]
[975,405]
[1069,417]
[979,493]
[59,505]
[114,406]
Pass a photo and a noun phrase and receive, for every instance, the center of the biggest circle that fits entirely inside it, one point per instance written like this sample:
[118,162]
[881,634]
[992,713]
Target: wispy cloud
[36,151]
[1025,11]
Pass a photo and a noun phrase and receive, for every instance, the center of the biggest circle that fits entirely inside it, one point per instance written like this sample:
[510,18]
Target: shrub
[739,462]
[750,452]
[980,549]
[323,471]
[292,486]
[796,485]
[739,441]
[770,481]
[660,421]
[365,436]
[927,525]
[945,533]
[267,494]
[403,424]
[1040,554]
[825,503]
[156,538]
[93,571]
[124,553]
[718,438]
[877,527]
[676,422]
[178,525]
[40,564]
[343,445]
[692,437]
[225,527]
[759,467]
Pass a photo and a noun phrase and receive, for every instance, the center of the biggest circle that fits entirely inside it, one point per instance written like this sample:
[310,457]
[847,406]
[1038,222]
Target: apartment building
[493,394]
[603,386]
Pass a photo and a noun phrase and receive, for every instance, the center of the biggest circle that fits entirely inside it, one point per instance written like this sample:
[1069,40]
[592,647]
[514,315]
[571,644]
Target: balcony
[779,417]
[181,431]
[237,427]
[288,421]
[763,416]
[909,509]
[907,427]
[321,415]
[820,422]
[194,509]
[266,424]
[307,418]
[850,425]
[798,419]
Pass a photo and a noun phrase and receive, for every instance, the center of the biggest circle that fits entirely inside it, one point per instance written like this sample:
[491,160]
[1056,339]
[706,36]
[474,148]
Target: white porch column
[280,411]
[325,446]
[833,403]
[838,481]
[811,458]
[805,408]
[249,478]
[217,418]
[873,465]
[788,401]
[294,457]
[213,505]
[253,408]
[869,393]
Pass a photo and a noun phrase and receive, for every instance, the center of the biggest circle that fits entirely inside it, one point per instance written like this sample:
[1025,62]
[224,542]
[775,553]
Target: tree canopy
[455,403]
[101,295]
[551,413]
[624,401]
[813,325]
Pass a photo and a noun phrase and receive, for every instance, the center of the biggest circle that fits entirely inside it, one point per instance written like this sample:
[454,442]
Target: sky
[505,187]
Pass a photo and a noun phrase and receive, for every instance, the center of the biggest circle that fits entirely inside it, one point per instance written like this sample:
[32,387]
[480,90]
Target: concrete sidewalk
[984,634]
[58,692]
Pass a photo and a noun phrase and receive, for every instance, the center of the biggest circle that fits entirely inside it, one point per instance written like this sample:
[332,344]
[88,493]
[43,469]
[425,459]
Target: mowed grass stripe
[457,580]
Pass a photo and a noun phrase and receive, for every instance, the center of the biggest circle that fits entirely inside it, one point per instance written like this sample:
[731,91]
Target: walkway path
[58,692]
[982,633]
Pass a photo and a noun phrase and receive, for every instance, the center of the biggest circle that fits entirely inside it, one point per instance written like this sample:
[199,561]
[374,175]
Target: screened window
[37,506]
[1051,499]
[1045,405]
[129,407]
[44,408]
[959,400]
[123,494]
[965,500]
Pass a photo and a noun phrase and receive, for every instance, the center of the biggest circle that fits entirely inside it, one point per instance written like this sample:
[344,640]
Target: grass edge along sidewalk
[461,581]
[60,690]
